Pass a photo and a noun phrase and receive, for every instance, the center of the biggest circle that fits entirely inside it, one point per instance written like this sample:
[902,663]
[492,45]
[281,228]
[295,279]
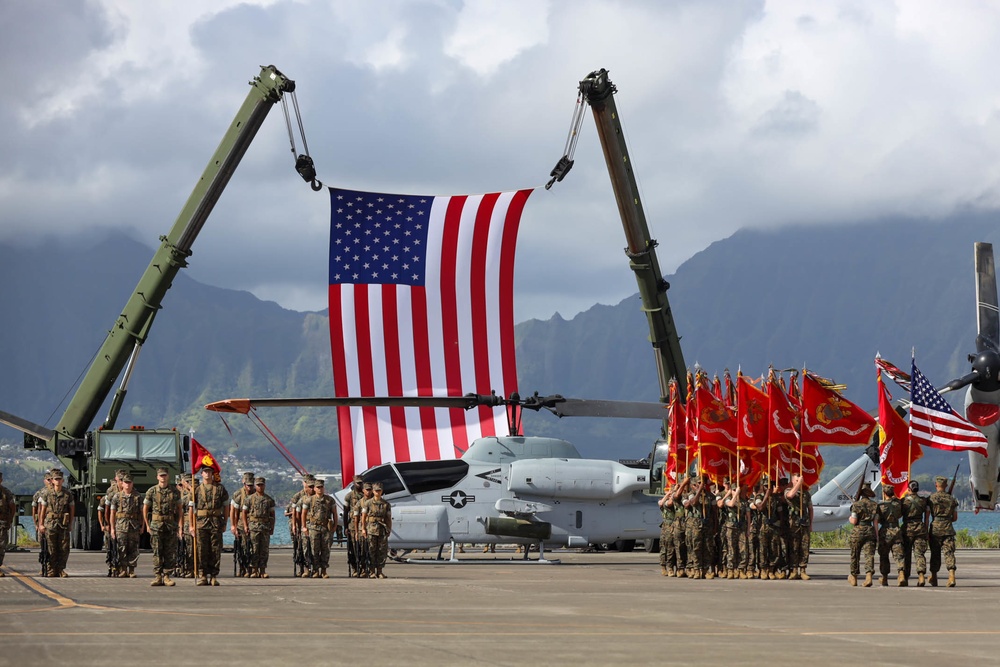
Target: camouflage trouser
[319,539]
[209,551]
[242,538]
[378,547]
[260,547]
[695,545]
[916,545]
[4,531]
[668,556]
[743,547]
[680,547]
[798,555]
[862,540]
[890,539]
[128,547]
[754,559]
[942,544]
[772,548]
[58,538]
[164,543]
[731,551]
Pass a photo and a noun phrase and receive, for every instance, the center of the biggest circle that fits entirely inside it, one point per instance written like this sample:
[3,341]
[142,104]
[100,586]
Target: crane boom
[598,91]
[132,327]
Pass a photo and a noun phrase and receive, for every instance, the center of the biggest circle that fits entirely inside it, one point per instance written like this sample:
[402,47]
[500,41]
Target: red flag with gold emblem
[782,426]
[202,458]
[896,453]
[830,419]
[751,416]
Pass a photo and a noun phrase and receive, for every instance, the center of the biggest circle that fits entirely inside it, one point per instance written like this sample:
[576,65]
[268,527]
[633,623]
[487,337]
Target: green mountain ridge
[827,297]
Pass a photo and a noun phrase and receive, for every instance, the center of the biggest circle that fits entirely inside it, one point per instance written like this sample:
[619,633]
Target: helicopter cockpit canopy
[506,449]
[418,476]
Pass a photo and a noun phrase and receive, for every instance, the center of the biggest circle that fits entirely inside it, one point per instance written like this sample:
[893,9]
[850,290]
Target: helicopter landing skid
[541,560]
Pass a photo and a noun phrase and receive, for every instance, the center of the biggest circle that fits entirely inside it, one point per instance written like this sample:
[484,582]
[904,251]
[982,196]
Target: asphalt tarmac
[592,608]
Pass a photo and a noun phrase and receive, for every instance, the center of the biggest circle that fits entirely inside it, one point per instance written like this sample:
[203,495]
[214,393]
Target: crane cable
[303,162]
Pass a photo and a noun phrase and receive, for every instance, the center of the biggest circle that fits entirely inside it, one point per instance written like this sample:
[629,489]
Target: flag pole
[193,518]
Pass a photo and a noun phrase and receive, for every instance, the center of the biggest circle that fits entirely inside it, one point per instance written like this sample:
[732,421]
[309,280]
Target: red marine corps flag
[830,419]
[202,458]
[896,452]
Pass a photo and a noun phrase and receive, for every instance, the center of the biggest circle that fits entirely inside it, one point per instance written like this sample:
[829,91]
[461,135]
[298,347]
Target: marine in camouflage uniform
[698,504]
[208,516]
[800,518]
[862,540]
[668,554]
[185,546]
[729,511]
[773,532]
[755,546]
[944,512]
[258,522]
[161,512]
[295,519]
[890,537]
[377,517]
[352,512]
[104,505]
[915,517]
[240,535]
[36,508]
[8,511]
[319,519]
[58,509]
[127,525]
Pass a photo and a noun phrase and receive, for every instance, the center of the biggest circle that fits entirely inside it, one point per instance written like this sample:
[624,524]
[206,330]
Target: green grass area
[839,539]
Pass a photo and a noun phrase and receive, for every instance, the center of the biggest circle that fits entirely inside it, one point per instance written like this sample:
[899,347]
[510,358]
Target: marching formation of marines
[905,528]
[735,532]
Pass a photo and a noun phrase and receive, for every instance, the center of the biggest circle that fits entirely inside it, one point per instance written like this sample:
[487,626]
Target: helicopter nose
[987,365]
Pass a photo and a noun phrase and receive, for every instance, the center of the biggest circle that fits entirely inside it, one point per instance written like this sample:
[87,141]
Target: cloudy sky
[738,114]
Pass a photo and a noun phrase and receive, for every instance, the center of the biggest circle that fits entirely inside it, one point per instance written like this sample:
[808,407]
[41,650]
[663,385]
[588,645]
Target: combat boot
[710,574]
[254,574]
[167,581]
[883,580]
[794,574]
[933,578]
[131,573]
[663,571]
[315,574]
[868,580]
[681,573]
[743,574]
[852,580]
[803,576]
[62,573]
[902,579]
[264,574]
[202,581]
[780,574]
[323,574]
[157,580]
[381,575]
[920,579]
[951,578]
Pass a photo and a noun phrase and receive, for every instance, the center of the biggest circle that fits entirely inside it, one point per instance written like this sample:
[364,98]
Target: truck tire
[652,546]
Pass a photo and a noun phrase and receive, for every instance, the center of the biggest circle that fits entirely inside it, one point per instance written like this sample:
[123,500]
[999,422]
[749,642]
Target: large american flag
[421,304]
[934,423]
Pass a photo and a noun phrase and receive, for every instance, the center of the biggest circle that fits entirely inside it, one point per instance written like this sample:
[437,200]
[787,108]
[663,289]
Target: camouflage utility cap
[940,480]
[248,478]
[261,480]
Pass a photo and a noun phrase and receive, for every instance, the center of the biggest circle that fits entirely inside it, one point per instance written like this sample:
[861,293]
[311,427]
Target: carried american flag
[421,304]
[934,423]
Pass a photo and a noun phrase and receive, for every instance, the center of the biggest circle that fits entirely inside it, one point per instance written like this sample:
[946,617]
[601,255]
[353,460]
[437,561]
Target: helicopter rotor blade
[583,407]
[987,311]
[467,402]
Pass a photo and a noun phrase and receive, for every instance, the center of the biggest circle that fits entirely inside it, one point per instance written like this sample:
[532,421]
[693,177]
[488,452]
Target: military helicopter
[982,400]
[507,489]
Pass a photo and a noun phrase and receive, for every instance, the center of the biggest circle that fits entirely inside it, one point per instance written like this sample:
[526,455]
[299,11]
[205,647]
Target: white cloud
[489,33]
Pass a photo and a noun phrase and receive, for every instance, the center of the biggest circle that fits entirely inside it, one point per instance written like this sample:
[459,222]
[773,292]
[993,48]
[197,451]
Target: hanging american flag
[934,423]
[421,304]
